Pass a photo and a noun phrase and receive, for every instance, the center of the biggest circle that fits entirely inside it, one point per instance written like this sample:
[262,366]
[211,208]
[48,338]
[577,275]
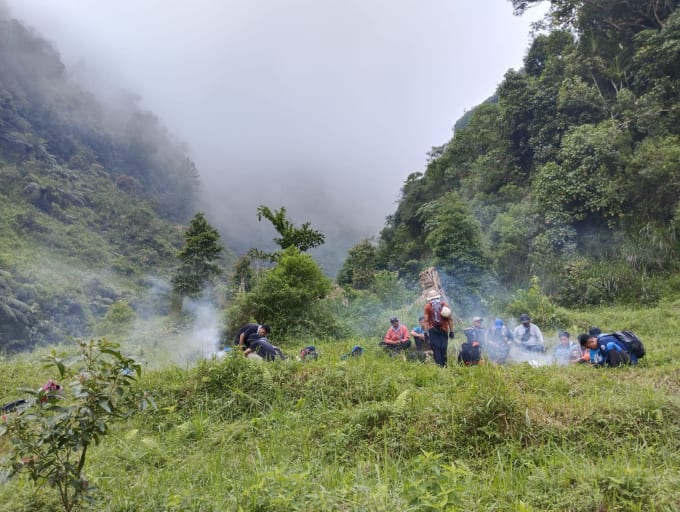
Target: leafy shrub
[284,295]
[52,431]
[118,319]
[538,305]
[592,283]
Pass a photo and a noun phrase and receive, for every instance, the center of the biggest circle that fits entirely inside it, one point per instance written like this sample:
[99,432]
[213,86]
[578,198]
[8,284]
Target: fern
[401,401]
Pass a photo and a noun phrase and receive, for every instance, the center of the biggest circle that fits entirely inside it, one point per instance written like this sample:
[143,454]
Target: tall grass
[381,434]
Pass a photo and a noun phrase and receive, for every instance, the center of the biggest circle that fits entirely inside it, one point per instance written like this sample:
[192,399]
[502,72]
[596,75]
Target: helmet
[446,312]
[394,319]
[524,318]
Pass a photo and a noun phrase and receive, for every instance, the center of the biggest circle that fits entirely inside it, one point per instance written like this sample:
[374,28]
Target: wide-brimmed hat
[432,294]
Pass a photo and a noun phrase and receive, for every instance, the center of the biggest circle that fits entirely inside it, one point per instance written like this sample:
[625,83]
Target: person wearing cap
[498,342]
[476,332]
[396,338]
[439,325]
[528,336]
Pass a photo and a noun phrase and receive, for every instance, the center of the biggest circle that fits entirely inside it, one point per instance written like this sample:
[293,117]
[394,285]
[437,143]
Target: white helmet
[446,312]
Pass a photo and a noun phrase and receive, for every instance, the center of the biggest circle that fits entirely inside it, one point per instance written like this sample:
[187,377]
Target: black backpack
[470,353]
[630,340]
[436,318]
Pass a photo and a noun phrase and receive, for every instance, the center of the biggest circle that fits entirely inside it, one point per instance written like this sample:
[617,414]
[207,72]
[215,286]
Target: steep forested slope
[90,197]
[571,172]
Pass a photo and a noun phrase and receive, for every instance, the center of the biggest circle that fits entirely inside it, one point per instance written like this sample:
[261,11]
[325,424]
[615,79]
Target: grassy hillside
[92,198]
[382,434]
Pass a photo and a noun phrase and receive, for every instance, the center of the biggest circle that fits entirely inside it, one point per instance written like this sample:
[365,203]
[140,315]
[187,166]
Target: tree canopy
[572,163]
[198,258]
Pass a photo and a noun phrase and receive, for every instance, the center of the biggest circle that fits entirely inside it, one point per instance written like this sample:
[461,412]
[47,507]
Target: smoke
[203,337]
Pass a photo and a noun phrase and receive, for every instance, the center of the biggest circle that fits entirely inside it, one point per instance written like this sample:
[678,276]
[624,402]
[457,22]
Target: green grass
[382,434]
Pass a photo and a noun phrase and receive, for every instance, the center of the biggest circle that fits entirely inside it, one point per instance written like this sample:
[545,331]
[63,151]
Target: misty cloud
[322,107]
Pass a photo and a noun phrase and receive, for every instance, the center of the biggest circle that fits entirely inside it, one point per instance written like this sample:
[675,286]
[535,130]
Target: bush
[287,296]
[587,283]
[51,432]
[539,306]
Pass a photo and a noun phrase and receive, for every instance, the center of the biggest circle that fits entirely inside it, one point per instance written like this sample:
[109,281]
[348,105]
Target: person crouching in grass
[604,351]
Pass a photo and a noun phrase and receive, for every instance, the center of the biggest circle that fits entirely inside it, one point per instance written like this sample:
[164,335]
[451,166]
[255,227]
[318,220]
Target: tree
[302,238]
[285,294]
[198,257]
[454,238]
[359,268]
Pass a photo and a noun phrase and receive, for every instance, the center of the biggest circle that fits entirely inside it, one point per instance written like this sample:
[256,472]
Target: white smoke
[203,338]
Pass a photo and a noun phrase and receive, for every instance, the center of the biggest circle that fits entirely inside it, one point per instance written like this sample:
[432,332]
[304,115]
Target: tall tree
[302,238]
[198,260]
[359,268]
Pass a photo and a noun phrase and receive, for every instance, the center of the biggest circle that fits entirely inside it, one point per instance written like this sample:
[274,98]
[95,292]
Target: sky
[322,107]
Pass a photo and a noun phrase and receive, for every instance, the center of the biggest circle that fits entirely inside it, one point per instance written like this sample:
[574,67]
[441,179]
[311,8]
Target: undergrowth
[382,434]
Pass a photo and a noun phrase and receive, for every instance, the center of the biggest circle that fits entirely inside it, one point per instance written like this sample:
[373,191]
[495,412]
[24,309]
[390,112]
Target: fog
[322,107]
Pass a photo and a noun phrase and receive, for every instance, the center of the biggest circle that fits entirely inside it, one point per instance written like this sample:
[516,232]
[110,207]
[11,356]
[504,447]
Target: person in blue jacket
[607,339]
[605,350]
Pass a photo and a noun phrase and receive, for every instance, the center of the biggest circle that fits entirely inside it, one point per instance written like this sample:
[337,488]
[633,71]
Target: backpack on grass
[632,342]
[309,353]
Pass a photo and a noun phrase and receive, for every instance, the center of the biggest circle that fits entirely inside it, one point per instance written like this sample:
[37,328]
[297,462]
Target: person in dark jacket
[607,339]
[247,331]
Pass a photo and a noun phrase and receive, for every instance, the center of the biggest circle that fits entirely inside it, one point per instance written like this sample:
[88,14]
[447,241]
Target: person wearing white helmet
[439,325]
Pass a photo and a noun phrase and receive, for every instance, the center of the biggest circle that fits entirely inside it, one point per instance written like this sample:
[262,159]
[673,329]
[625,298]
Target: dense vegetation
[89,199]
[561,189]
[381,434]
[570,172]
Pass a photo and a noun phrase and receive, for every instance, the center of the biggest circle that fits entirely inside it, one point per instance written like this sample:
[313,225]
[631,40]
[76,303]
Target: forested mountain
[90,197]
[570,172]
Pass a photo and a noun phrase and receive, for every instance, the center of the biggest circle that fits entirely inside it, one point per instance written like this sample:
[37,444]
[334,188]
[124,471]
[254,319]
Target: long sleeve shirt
[395,336]
[528,336]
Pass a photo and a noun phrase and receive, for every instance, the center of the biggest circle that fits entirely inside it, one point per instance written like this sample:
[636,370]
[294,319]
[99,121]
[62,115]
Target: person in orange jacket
[396,338]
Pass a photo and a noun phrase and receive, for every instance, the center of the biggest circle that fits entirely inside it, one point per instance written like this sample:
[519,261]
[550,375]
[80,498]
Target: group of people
[498,340]
[435,328]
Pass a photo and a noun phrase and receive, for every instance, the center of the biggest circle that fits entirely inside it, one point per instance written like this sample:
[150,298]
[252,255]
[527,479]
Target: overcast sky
[324,107]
